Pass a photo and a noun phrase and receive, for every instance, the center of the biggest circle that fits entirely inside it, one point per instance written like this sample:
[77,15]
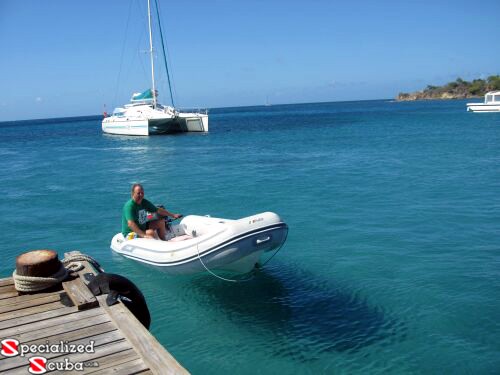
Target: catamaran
[144,115]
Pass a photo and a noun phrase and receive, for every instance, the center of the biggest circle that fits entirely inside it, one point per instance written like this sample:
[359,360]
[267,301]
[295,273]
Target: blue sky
[68,58]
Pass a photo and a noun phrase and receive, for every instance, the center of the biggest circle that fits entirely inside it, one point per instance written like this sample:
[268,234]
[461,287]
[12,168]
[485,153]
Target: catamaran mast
[151,54]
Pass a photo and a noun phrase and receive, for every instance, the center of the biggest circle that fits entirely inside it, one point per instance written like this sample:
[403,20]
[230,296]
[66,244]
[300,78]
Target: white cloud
[38,99]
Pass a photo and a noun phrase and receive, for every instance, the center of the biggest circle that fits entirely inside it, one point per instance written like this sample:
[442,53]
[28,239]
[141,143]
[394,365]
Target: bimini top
[143,97]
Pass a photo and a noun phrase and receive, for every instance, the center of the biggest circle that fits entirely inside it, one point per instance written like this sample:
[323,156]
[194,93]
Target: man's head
[137,193]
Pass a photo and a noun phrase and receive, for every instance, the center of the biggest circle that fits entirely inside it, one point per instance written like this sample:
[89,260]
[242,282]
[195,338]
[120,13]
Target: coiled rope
[69,264]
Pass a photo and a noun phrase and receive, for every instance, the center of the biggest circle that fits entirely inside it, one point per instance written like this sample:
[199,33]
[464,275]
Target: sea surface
[392,263]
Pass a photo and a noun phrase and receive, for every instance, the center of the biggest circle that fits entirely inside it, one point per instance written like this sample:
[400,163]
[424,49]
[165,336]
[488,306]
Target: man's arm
[164,212]
[135,228]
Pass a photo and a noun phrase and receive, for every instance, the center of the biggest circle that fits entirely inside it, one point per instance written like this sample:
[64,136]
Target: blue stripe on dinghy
[211,250]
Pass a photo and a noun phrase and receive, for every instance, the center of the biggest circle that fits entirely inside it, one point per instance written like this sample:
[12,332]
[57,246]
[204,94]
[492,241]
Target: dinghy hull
[204,244]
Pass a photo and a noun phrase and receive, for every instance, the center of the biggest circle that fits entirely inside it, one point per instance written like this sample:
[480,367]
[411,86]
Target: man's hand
[164,212]
[135,228]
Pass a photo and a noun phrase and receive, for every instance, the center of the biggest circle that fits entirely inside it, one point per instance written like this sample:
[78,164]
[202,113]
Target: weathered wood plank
[112,360]
[79,294]
[66,327]
[7,281]
[79,334]
[29,303]
[99,340]
[63,324]
[155,356]
[131,367]
[28,297]
[31,310]
[5,295]
[6,288]
[100,351]
[19,321]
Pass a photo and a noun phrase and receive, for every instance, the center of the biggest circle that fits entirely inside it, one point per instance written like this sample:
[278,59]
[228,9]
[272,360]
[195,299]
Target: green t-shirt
[137,213]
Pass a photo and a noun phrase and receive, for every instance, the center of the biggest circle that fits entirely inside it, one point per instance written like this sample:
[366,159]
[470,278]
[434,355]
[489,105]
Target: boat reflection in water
[297,314]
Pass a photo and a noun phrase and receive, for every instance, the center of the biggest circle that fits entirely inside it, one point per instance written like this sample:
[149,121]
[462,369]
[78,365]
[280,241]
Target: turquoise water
[392,263]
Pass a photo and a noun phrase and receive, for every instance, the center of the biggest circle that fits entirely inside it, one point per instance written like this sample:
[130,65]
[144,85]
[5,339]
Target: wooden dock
[73,315]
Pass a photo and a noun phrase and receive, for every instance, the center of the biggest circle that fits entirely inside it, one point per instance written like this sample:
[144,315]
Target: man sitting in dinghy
[138,217]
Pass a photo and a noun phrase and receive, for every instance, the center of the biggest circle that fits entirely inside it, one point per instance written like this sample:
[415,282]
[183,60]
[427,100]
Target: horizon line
[209,108]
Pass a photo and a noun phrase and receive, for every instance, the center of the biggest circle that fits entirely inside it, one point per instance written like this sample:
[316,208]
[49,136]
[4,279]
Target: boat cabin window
[496,98]
[489,98]
[118,112]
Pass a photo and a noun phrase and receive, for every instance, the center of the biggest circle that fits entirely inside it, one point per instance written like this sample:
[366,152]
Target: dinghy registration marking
[253,221]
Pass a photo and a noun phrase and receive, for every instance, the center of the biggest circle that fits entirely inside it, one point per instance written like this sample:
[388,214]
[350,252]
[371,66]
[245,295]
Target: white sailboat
[145,116]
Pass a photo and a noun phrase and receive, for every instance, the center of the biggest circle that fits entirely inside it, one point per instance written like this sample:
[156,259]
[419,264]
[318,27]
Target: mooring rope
[34,284]
[69,264]
[276,252]
[220,277]
[210,272]
[251,273]
[75,259]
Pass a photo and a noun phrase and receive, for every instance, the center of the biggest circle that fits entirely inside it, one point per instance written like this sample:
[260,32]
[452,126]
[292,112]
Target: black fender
[119,287]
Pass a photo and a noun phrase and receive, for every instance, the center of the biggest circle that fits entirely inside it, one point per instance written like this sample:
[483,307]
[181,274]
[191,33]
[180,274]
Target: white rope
[252,273]
[217,276]
[68,265]
[34,284]
[73,261]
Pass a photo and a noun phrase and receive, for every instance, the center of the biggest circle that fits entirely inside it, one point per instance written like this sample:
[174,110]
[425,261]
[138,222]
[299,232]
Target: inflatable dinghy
[202,243]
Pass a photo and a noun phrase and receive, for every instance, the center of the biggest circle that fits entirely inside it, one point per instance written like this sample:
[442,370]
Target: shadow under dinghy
[201,243]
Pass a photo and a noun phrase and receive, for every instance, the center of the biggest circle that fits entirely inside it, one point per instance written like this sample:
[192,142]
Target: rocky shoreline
[458,89]
[422,95]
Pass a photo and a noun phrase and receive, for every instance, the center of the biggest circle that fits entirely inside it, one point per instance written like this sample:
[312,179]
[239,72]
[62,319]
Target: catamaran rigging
[144,115]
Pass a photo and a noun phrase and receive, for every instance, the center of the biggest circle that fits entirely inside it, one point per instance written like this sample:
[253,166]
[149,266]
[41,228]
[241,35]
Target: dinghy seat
[197,226]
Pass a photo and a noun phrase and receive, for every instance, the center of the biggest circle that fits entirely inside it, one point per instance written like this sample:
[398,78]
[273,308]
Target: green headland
[458,89]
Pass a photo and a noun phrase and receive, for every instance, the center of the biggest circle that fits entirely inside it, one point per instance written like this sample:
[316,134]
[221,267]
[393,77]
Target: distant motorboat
[145,116]
[491,103]
[202,243]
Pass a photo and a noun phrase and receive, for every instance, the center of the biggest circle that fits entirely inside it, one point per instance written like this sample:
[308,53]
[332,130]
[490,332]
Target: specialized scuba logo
[9,348]
[39,364]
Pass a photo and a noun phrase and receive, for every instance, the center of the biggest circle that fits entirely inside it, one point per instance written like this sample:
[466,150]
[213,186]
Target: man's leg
[151,233]
[159,226]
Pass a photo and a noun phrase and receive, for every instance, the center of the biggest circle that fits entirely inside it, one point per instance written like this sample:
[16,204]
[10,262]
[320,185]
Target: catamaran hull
[180,124]
[232,245]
